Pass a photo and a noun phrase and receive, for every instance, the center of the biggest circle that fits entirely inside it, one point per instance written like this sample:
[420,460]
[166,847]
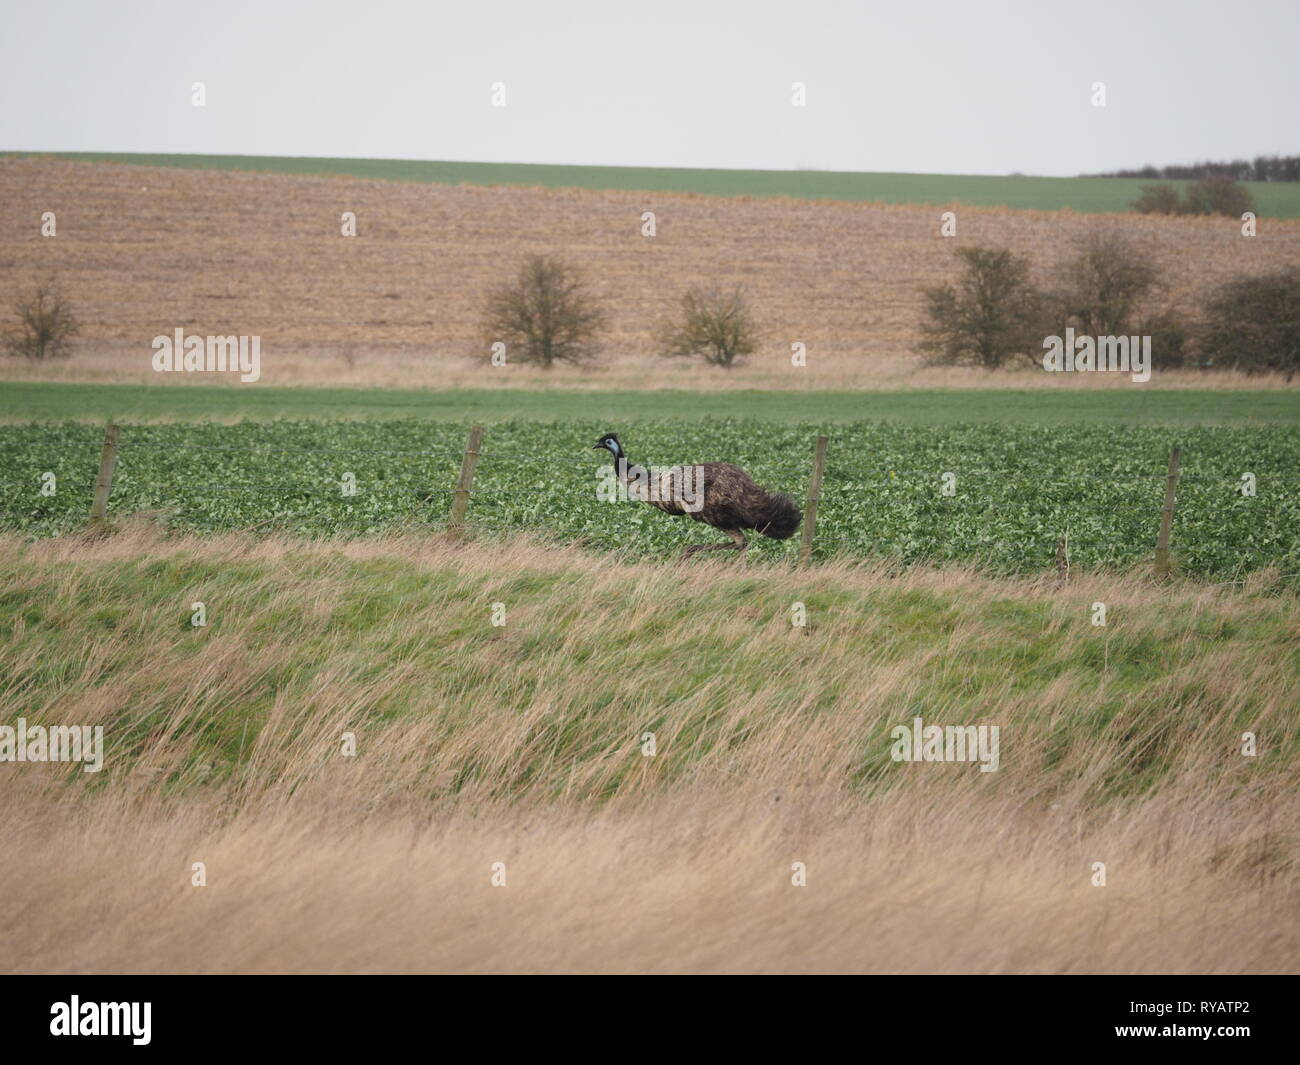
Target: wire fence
[942,491]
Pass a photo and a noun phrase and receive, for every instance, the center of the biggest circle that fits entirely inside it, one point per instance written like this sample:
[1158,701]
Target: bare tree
[1158,199]
[1104,287]
[992,314]
[46,324]
[545,316]
[715,325]
[1218,195]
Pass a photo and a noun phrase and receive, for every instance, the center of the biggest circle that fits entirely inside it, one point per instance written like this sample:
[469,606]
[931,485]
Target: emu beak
[596,447]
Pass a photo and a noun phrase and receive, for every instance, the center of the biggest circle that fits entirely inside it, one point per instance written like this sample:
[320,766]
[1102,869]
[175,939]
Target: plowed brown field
[143,251]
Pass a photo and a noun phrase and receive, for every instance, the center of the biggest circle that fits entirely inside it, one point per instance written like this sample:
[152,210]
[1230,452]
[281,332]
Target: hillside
[143,251]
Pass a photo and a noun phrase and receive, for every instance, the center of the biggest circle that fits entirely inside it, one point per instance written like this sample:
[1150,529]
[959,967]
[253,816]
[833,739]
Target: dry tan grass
[696,882]
[142,251]
[326,366]
[616,862]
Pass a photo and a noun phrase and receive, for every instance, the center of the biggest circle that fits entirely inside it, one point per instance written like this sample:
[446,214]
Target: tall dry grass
[696,881]
[520,745]
[345,366]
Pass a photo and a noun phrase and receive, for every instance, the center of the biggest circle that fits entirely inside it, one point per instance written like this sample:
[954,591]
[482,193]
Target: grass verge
[523,743]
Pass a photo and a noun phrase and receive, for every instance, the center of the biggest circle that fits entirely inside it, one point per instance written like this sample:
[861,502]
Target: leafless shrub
[1253,324]
[545,316]
[1102,290]
[1158,199]
[46,324]
[1216,194]
[715,325]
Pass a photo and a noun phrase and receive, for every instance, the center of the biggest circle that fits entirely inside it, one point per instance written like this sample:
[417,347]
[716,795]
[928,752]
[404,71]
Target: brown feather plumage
[719,494]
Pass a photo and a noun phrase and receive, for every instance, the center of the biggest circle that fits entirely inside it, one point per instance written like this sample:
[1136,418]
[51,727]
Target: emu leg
[738,543]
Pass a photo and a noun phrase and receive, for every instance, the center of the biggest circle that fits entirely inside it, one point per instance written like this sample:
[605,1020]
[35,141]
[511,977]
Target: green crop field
[24,401]
[1016,488]
[1274,200]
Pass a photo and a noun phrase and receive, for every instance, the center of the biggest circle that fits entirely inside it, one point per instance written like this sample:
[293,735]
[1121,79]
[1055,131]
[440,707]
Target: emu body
[714,493]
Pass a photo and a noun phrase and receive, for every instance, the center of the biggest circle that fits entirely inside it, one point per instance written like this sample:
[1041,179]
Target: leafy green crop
[1017,488]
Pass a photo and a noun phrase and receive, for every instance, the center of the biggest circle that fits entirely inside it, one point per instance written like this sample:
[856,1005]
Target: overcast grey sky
[943,87]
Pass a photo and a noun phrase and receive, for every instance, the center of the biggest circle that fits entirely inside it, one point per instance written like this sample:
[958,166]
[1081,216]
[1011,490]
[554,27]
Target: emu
[715,493]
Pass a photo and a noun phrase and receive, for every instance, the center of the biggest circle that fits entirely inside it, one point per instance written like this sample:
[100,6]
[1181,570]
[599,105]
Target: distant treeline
[1262,168]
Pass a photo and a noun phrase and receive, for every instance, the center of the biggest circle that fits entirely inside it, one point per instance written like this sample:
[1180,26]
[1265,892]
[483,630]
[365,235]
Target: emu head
[610,443]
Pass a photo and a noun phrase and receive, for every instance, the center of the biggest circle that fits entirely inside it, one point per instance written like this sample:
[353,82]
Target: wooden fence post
[1167,514]
[104,482]
[460,501]
[814,495]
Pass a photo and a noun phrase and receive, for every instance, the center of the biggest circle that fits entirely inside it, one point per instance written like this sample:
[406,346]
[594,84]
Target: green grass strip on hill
[1087,194]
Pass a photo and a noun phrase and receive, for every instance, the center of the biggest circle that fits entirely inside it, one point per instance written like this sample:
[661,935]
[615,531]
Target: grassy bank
[395,639]
[524,743]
